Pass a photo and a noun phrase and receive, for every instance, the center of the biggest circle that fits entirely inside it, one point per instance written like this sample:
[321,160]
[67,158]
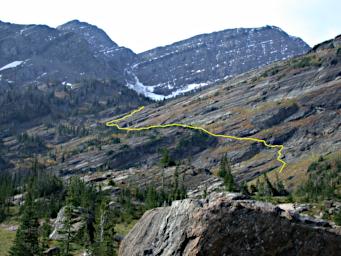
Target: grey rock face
[118,57]
[273,116]
[58,225]
[228,224]
[78,51]
[96,37]
[208,58]
[73,52]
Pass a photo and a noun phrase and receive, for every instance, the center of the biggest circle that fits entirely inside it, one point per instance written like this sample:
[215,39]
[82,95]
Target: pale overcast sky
[145,24]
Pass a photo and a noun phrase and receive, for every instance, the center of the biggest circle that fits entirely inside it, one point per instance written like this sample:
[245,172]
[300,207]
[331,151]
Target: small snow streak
[13,64]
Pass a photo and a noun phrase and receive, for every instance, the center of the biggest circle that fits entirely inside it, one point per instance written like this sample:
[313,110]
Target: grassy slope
[6,240]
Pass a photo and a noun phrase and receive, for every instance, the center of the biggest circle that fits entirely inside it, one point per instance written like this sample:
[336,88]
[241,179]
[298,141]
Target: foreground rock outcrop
[229,224]
[77,223]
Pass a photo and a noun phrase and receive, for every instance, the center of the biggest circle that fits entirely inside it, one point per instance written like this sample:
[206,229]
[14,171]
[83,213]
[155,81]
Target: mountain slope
[76,51]
[102,45]
[53,73]
[295,103]
[48,54]
[209,58]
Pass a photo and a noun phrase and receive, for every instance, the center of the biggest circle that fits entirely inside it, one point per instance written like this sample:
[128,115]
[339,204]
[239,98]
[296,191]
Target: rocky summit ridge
[78,51]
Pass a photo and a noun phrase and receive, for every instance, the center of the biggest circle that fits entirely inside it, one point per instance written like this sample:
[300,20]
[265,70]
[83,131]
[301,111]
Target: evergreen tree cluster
[166,160]
[68,130]
[225,172]
[167,194]
[323,182]
[98,218]
[26,242]
[7,189]
[60,101]
[45,195]
[97,236]
[263,187]
[31,144]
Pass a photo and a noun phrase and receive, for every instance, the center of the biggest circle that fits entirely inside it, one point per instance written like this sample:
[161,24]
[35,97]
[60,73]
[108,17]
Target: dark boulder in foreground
[229,224]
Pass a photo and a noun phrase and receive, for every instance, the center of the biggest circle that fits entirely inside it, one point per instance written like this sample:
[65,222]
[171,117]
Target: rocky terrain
[275,103]
[77,51]
[209,58]
[229,224]
[38,54]
[295,103]
[58,129]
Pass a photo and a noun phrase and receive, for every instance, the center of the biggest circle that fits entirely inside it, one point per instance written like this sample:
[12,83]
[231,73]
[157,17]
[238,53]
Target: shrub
[337,218]
[306,62]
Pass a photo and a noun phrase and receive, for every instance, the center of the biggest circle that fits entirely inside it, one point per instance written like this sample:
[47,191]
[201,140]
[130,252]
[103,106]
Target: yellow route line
[114,123]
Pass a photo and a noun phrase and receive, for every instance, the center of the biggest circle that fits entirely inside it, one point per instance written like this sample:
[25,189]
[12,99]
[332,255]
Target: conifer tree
[105,231]
[165,158]
[66,230]
[26,242]
[279,187]
[229,182]
[244,188]
[269,189]
[6,190]
[175,189]
[45,231]
[264,186]
[226,173]
[151,197]
[222,169]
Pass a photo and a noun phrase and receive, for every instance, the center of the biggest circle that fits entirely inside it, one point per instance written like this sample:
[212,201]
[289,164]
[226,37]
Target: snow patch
[147,91]
[200,70]
[13,64]
[187,88]
[140,88]
[66,83]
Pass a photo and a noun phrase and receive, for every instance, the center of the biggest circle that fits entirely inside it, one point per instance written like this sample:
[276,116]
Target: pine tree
[6,190]
[26,242]
[165,159]
[66,230]
[175,189]
[45,231]
[205,192]
[151,197]
[264,186]
[229,182]
[279,187]
[223,165]
[337,218]
[105,231]
[269,189]
[244,188]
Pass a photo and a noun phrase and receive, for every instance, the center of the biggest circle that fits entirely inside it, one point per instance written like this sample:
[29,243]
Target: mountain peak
[207,58]
[96,37]
[76,24]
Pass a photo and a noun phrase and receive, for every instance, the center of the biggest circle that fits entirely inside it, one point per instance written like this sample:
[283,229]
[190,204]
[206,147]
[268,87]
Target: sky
[144,24]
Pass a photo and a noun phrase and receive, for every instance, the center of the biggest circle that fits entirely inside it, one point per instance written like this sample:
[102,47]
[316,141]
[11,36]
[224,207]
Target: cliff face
[229,224]
[76,51]
[209,58]
[37,54]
